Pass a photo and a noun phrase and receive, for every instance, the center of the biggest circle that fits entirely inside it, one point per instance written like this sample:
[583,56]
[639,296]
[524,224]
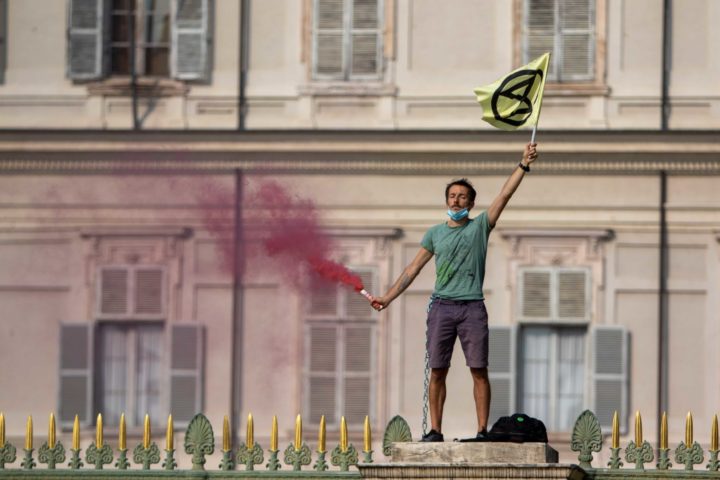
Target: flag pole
[532,138]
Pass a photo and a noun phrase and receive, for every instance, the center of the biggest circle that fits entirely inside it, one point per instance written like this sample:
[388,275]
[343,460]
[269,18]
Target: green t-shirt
[459,258]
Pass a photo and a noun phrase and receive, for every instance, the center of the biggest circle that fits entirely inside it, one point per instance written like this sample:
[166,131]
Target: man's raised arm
[404,280]
[512,183]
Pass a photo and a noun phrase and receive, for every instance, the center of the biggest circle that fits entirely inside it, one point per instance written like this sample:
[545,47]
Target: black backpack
[519,428]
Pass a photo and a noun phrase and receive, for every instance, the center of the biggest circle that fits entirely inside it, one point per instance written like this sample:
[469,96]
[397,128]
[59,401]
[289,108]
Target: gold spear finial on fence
[664,432]
[170,434]
[638,429]
[2,430]
[227,443]
[298,433]
[29,433]
[321,435]
[122,435]
[250,433]
[714,433]
[688,430]
[615,431]
[51,431]
[274,434]
[76,434]
[343,435]
[367,435]
[99,432]
[146,432]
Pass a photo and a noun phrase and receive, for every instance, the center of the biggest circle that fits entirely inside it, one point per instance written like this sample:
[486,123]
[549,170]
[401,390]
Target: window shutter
[357,305]
[328,38]
[190,39]
[75,374]
[610,353]
[324,300]
[148,291]
[577,37]
[3,39]
[502,371]
[113,296]
[535,294]
[539,32]
[186,361]
[366,38]
[322,352]
[358,371]
[572,294]
[85,39]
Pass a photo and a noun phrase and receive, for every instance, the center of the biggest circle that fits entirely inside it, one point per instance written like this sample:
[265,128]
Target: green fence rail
[638,460]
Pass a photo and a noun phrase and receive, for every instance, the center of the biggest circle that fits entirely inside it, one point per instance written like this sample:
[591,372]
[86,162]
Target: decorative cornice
[383,152]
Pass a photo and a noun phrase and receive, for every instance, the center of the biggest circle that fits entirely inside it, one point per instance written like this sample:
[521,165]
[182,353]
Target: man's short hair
[465,183]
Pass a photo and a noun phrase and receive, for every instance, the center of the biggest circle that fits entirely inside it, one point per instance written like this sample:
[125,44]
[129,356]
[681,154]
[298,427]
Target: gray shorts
[449,319]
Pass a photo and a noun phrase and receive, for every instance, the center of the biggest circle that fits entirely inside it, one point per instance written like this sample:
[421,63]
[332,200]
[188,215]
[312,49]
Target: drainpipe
[236,333]
[663,327]
[244,49]
[666,64]
[133,73]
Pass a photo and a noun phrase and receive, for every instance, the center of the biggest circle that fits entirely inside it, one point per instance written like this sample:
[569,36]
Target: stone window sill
[359,89]
[146,87]
[576,89]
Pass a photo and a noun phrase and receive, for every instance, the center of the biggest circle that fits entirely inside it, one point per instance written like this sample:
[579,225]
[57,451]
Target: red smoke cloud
[286,228]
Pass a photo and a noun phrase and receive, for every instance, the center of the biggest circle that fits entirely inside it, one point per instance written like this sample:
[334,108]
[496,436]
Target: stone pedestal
[415,471]
[440,461]
[472,452]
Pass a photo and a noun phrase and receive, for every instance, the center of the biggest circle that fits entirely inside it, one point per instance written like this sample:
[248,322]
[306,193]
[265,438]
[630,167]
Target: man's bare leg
[481,392]
[437,396]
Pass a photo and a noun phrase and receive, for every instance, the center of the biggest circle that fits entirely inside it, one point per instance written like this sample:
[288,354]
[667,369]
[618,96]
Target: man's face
[459,198]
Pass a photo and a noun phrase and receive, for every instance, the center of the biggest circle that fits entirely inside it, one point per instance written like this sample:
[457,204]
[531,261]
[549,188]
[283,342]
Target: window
[554,363]
[124,360]
[131,292]
[567,29]
[148,24]
[347,39]
[552,369]
[130,359]
[170,38]
[554,294]
[340,337]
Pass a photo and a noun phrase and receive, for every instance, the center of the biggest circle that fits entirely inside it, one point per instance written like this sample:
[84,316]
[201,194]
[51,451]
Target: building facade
[135,133]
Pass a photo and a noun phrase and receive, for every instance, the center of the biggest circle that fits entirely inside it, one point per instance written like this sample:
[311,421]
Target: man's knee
[438,375]
[479,374]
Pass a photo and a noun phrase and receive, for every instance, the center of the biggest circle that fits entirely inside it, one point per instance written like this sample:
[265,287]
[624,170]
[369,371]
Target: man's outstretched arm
[404,280]
[512,183]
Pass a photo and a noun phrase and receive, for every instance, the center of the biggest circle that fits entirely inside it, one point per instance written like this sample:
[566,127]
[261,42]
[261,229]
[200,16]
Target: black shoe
[432,436]
[480,437]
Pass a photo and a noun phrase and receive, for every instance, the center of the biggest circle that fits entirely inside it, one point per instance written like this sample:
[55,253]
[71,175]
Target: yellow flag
[515,100]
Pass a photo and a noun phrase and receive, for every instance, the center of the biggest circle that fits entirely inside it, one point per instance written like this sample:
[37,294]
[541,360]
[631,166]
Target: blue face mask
[459,215]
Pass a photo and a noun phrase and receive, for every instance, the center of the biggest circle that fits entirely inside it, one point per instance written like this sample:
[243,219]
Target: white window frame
[553,373]
[347,55]
[131,348]
[129,315]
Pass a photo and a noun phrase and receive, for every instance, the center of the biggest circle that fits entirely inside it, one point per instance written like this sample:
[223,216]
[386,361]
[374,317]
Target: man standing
[457,308]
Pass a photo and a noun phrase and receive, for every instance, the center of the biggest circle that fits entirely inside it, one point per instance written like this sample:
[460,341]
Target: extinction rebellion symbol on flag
[515,90]
[515,100]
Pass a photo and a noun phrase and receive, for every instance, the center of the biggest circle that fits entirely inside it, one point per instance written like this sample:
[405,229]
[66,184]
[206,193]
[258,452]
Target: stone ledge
[483,471]
[472,453]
